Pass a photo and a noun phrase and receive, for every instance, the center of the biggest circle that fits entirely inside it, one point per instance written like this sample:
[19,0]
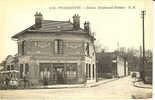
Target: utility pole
[143,66]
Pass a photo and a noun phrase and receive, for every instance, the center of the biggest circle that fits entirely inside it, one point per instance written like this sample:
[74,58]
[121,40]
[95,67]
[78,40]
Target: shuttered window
[23,47]
[59,46]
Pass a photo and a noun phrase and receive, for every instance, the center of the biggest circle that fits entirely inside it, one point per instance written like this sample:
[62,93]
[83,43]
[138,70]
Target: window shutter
[19,48]
[56,46]
[23,47]
[26,68]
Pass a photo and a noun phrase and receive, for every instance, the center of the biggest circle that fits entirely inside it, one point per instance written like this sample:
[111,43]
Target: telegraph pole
[143,66]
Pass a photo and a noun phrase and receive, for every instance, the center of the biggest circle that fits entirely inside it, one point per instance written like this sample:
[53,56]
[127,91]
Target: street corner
[140,84]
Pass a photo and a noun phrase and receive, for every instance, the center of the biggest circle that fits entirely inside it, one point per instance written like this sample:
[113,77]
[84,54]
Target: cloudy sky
[119,21]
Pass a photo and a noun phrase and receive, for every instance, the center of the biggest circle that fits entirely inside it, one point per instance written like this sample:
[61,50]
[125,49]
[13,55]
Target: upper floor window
[87,49]
[23,45]
[8,67]
[12,67]
[59,46]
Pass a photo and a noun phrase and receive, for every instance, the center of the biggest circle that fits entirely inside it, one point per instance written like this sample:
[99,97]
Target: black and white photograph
[76,49]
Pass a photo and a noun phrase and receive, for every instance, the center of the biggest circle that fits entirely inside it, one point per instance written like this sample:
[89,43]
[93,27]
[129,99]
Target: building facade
[122,67]
[109,65]
[56,52]
[106,63]
[11,63]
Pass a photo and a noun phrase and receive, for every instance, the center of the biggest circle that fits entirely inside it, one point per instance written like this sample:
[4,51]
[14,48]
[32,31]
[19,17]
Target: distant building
[106,63]
[11,63]
[109,62]
[57,52]
[122,67]
[10,68]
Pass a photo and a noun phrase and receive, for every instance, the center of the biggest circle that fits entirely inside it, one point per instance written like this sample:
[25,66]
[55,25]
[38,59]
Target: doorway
[60,75]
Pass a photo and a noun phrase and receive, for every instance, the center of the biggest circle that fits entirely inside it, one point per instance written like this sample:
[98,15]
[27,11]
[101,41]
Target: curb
[104,82]
[135,85]
[65,87]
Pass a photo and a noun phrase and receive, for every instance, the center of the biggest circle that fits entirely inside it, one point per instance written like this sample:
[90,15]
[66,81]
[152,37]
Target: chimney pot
[38,20]
[76,22]
[86,26]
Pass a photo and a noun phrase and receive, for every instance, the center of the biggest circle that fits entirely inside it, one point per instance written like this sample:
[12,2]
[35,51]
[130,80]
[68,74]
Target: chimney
[87,26]
[76,22]
[38,20]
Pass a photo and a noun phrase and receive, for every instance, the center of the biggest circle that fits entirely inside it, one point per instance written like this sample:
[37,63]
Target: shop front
[58,73]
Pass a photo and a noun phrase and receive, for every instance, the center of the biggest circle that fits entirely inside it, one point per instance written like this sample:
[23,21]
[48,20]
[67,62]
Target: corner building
[56,52]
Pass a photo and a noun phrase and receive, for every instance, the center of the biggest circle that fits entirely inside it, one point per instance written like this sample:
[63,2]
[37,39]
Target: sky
[111,25]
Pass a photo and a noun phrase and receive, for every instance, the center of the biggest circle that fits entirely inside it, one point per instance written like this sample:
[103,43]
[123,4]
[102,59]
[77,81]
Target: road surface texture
[119,89]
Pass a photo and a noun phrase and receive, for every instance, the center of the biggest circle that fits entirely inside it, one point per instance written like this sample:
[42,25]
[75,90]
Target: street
[119,89]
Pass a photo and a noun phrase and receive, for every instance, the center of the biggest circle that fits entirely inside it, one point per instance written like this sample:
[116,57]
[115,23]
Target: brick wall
[43,44]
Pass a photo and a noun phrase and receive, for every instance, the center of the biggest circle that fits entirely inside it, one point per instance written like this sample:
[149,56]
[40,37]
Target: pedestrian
[7,81]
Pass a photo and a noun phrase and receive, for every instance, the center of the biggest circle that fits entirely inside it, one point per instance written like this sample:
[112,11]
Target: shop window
[45,70]
[71,71]
[59,46]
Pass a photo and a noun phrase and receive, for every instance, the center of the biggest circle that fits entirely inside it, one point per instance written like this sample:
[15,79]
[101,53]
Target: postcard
[76,49]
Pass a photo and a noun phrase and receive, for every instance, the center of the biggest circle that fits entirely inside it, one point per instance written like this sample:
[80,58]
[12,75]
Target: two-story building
[56,52]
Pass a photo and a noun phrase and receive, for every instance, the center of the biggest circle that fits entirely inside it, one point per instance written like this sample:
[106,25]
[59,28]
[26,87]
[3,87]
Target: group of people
[8,81]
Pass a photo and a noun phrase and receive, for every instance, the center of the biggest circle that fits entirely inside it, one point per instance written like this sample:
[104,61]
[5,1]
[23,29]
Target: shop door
[60,75]
[45,72]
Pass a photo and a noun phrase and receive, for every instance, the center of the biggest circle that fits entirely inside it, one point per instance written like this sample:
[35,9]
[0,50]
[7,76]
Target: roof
[50,26]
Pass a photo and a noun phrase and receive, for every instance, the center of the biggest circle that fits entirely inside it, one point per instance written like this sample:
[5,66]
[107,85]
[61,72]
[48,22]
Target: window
[21,70]
[59,46]
[87,49]
[23,44]
[45,69]
[12,67]
[93,71]
[89,71]
[8,67]
[26,68]
[86,70]
[71,71]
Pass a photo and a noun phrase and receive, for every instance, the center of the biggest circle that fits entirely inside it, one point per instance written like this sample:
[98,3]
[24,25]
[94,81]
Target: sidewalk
[140,84]
[74,85]
[59,86]
[104,81]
